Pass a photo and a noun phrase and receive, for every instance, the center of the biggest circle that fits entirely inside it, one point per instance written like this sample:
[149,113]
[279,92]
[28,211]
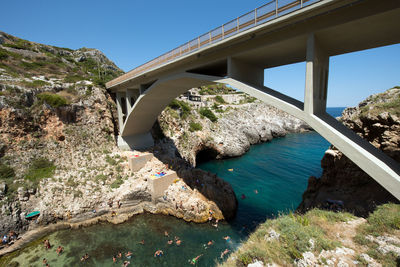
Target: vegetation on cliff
[321,237]
[23,59]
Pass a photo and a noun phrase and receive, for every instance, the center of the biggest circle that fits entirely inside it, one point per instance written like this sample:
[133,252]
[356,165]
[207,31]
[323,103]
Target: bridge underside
[135,130]
[355,26]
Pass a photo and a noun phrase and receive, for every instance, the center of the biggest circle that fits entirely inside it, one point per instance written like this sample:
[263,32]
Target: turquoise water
[278,170]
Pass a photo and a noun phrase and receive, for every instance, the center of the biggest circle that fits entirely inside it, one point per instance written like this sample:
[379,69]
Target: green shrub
[385,219]
[195,126]
[53,100]
[185,108]
[100,177]
[20,44]
[32,65]
[3,54]
[35,83]
[206,112]
[174,104]
[117,183]
[40,168]
[110,160]
[219,99]
[6,172]
[215,89]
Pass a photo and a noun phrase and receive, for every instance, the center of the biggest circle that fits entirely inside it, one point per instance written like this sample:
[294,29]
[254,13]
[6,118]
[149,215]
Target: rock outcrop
[58,153]
[237,127]
[375,119]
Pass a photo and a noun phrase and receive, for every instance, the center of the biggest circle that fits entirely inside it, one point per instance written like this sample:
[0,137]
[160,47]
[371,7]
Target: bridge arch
[312,34]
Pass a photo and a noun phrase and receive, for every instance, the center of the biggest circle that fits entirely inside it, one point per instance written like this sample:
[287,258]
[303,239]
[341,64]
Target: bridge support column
[136,142]
[130,99]
[317,69]
[243,71]
[120,109]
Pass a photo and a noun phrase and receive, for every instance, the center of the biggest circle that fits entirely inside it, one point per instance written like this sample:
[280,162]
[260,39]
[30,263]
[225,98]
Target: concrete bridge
[278,33]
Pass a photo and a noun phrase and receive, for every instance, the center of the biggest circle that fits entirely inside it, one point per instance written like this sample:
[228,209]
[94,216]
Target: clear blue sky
[133,32]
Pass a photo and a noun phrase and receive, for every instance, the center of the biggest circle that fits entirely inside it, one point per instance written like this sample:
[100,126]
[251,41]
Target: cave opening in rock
[206,154]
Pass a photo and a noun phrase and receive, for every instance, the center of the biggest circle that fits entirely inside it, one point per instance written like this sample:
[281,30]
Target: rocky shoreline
[238,127]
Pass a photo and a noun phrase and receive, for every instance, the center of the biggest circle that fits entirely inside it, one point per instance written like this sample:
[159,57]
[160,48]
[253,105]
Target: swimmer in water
[194,260]
[59,250]
[158,253]
[227,238]
[178,242]
[114,259]
[142,242]
[243,196]
[170,242]
[128,254]
[255,191]
[226,251]
[210,243]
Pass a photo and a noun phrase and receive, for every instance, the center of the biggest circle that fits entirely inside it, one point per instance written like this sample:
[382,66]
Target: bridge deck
[268,40]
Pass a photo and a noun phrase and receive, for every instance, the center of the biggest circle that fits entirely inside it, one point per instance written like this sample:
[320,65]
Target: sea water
[268,180]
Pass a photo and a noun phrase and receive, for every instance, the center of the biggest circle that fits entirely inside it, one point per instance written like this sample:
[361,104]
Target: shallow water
[278,170]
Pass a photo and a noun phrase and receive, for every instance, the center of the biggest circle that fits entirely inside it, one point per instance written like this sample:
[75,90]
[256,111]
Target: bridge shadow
[208,184]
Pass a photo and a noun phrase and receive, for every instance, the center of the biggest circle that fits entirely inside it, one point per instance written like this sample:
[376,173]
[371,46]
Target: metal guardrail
[263,14]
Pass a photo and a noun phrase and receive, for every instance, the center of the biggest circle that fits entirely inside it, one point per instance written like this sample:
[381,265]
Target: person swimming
[128,254]
[59,250]
[194,260]
[178,242]
[216,223]
[142,242]
[126,263]
[210,243]
[243,196]
[170,242]
[226,251]
[114,259]
[158,253]
[227,238]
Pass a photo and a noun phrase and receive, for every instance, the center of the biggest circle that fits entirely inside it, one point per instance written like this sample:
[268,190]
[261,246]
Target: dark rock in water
[341,178]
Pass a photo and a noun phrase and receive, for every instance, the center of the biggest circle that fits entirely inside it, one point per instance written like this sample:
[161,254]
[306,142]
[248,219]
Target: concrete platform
[158,185]
[136,162]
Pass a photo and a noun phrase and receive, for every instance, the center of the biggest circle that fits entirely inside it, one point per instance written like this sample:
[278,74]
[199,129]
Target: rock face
[375,119]
[238,127]
[53,109]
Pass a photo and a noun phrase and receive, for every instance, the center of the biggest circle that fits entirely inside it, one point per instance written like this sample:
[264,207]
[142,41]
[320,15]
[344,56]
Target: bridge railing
[263,14]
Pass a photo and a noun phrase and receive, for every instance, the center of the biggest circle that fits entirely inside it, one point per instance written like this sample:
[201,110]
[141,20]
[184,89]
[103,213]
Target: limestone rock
[272,235]
[341,179]
[3,189]
[232,134]
[256,264]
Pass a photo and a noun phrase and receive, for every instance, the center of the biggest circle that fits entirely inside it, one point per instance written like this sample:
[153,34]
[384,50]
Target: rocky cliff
[234,127]
[58,153]
[377,120]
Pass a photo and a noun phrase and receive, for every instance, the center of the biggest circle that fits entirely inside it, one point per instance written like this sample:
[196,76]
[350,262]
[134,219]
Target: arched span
[374,162]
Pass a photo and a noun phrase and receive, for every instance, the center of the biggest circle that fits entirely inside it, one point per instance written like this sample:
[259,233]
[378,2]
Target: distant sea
[271,177]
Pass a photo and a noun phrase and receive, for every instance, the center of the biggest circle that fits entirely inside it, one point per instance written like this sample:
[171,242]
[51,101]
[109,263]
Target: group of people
[128,255]
[48,246]
[11,237]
